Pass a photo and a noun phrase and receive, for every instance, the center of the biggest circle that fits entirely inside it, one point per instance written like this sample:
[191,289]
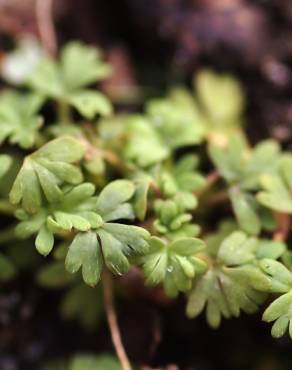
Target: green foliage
[174,264]
[5,163]
[221,99]
[19,119]
[276,193]
[65,80]
[172,220]
[44,171]
[143,190]
[176,119]
[182,180]
[233,282]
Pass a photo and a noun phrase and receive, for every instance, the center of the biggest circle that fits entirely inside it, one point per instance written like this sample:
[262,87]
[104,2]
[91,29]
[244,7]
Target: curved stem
[112,320]
[44,15]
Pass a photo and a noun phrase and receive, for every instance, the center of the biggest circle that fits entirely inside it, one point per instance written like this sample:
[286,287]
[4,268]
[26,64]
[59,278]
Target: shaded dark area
[156,43]
[32,333]
[252,39]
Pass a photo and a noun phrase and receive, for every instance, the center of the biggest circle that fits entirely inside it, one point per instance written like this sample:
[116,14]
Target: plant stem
[218,198]
[212,177]
[63,113]
[44,15]
[112,320]
[6,207]
[284,222]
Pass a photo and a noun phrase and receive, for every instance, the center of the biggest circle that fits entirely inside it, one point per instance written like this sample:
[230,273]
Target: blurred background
[152,45]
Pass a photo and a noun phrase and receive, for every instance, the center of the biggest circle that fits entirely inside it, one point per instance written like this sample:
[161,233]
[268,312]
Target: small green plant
[101,192]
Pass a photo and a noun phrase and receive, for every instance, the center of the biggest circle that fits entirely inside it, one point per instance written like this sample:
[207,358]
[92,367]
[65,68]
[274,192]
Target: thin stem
[212,177]
[44,15]
[218,198]
[112,320]
[284,222]
[63,113]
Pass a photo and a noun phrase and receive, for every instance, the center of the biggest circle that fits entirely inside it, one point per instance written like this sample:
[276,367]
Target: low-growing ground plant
[99,192]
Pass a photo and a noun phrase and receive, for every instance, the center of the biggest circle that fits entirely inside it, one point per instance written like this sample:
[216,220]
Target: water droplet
[170,269]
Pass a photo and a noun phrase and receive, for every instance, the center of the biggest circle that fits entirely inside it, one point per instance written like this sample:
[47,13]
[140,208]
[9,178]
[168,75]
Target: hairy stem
[44,15]
[112,320]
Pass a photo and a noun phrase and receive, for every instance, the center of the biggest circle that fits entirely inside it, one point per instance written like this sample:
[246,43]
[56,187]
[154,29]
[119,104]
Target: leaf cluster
[98,190]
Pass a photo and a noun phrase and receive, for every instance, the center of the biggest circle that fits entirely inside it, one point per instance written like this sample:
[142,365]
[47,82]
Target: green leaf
[155,262]
[279,273]
[270,249]
[19,121]
[30,225]
[225,292]
[281,311]
[140,199]
[144,146]
[85,252]
[176,119]
[207,292]
[111,202]
[45,78]
[221,96]
[64,149]
[65,80]
[229,157]
[237,249]
[245,214]
[285,169]
[133,238]
[251,276]
[90,103]
[82,65]
[41,173]
[75,210]
[186,246]
[44,241]
[180,181]
[275,195]
[279,307]
[113,253]
[264,159]
[5,163]
[174,264]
